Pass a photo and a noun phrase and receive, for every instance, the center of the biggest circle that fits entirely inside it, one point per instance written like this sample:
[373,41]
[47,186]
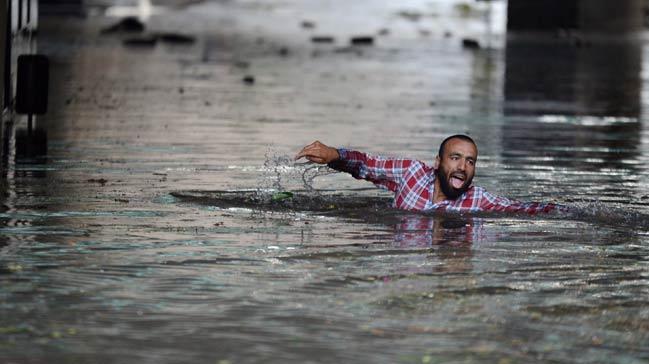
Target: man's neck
[438,195]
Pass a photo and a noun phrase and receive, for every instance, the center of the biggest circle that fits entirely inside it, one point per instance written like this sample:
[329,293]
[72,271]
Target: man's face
[456,168]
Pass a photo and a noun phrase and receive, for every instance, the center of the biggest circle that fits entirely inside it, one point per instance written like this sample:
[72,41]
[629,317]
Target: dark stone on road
[249,80]
[284,51]
[306,24]
[362,40]
[322,39]
[470,43]
[177,38]
[129,24]
[101,181]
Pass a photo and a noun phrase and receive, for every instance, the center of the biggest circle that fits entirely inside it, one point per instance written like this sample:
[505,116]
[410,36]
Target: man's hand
[318,153]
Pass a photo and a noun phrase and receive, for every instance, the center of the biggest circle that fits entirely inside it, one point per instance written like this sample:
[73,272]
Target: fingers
[313,156]
[314,150]
[318,160]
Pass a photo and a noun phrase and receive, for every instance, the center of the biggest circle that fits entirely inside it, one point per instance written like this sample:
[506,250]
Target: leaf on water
[281,196]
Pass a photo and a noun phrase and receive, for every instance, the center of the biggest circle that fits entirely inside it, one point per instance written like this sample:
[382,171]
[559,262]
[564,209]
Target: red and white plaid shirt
[413,184]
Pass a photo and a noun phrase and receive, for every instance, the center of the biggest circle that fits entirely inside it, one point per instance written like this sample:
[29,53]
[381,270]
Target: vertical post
[612,17]
[20,14]
[3,46]
[29,12]
[546,15]
[6,48]
[590,16]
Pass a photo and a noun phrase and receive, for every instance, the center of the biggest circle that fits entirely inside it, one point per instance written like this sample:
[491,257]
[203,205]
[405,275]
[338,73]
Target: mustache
[463,175]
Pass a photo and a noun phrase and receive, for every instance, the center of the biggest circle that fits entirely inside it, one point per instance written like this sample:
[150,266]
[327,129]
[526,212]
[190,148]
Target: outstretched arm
[384,172]
[491,202]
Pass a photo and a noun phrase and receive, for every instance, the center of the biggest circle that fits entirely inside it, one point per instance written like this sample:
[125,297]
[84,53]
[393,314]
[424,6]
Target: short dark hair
[466,138]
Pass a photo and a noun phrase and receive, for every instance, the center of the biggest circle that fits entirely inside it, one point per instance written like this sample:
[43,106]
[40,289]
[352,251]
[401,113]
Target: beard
[449,191]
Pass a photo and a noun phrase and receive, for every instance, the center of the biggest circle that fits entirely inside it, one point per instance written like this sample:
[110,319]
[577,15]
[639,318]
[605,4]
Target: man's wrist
[335,155]
[342,154]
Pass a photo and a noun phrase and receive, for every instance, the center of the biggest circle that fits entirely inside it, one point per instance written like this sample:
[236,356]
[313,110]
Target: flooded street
[138,223]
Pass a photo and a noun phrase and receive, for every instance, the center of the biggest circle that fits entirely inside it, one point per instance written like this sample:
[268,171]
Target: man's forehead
[464,147]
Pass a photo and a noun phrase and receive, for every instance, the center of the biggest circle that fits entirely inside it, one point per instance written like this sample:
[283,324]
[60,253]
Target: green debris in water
[8,330]
[14,267]
[281,196]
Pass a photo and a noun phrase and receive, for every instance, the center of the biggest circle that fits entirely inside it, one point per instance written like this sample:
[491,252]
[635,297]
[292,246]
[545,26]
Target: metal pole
[3,49]
[20,14]
[7,68]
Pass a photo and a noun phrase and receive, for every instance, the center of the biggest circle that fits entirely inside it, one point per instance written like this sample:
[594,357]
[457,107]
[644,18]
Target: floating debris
[410,15]
[470,43]
[322,39]
[129,24]
[280,196]
[362,41]
[384,31]
[249,80]
[241,64]
[177,38]
[307,24]
[101,181]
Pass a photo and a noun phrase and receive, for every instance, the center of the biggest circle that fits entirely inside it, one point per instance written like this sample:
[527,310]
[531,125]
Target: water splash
[281,174]
[311,171]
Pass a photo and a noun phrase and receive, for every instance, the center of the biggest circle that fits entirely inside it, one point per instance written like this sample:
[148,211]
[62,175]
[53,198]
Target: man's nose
[461,166]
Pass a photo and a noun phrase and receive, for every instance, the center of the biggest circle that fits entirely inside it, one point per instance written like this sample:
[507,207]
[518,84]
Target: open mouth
[457,180]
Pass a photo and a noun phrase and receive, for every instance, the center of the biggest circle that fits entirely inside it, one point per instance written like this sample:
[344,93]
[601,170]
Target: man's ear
[437,162]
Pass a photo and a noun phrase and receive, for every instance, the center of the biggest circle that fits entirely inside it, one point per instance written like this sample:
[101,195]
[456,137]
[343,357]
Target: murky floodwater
[122,239]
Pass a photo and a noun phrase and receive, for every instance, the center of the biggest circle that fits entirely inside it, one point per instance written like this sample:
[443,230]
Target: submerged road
[102,260]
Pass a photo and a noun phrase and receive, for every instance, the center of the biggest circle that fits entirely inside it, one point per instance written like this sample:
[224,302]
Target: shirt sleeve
[491,202]
[384,172]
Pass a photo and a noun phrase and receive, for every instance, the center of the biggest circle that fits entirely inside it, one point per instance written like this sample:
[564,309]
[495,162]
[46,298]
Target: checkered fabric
[413,184]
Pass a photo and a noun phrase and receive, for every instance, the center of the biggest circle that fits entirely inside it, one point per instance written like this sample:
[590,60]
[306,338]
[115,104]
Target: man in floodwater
[418,187]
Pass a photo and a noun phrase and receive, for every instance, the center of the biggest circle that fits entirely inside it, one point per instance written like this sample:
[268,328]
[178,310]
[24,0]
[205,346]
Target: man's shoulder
[416,163]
